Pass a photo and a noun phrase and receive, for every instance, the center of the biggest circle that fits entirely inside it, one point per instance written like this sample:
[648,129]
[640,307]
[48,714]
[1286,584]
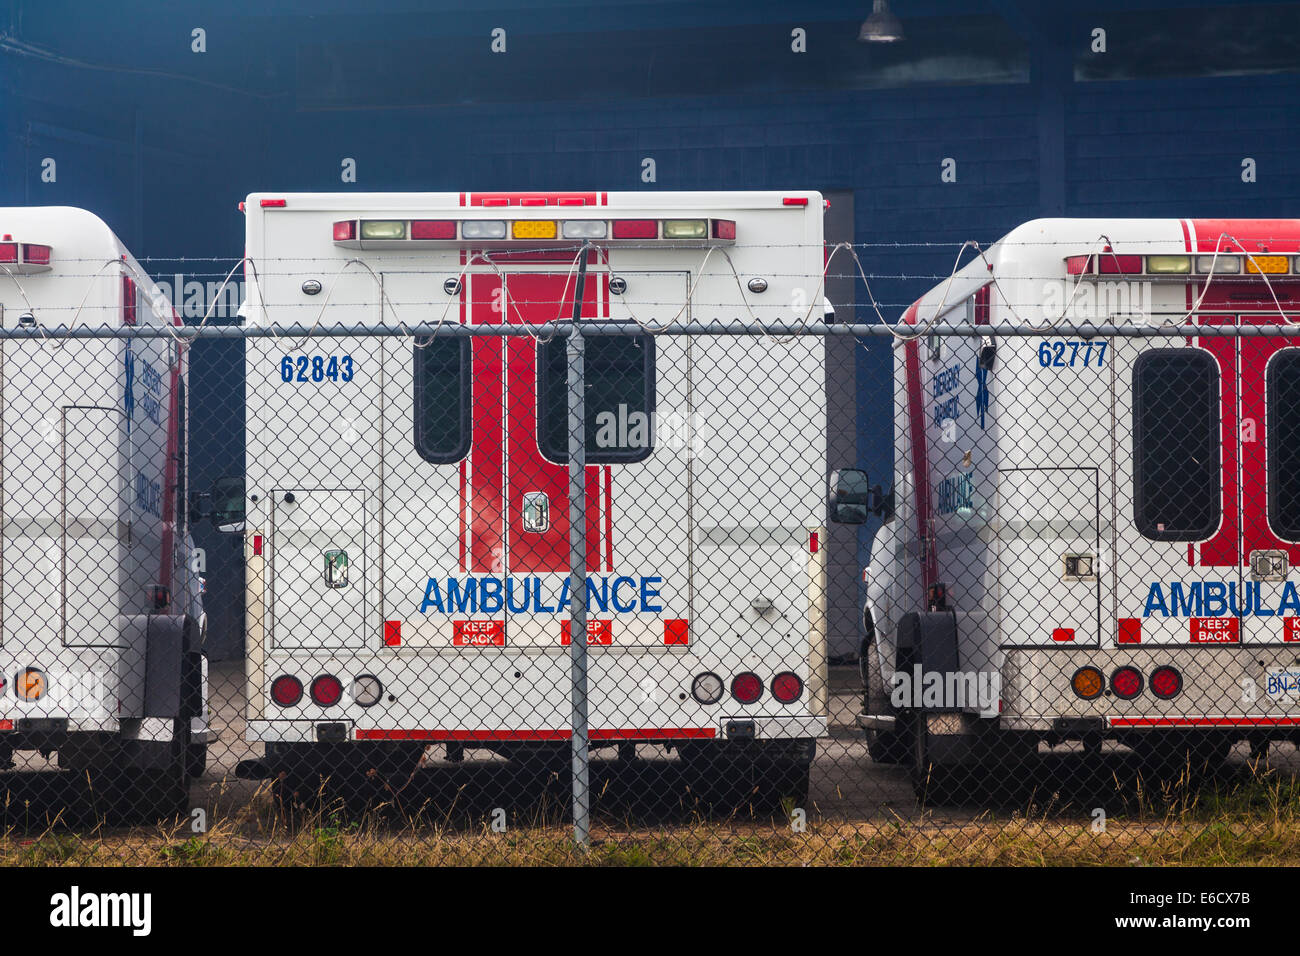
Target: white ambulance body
[1101,530]
[407,527]
[100,622]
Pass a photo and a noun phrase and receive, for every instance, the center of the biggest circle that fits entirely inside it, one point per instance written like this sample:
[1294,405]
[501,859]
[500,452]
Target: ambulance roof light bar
[24,258]
[516,233]
[1173,266]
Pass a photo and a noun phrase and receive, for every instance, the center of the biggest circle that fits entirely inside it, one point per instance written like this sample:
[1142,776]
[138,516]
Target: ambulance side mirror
[227,512]
[882,505]
[196,506]
[850,498]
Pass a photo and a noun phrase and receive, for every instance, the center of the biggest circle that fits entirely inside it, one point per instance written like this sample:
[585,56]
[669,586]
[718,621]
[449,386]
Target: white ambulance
[406,515]
[1092,537]
[101,621]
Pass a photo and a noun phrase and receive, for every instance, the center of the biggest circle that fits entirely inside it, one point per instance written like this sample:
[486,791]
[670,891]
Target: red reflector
[1166,682]
[273,203]
[1076,265]
[814,542]
[1115,265]
[286,690]
[746,687]
[786,687]
[724,229]
[636,229]
[128,301]
[392,633]
[8,252]
[433,229]
[1130,630]
[677,631]
[6,725]
[327,690]
[343,231]
[38,255]
[795,201]
[496,202]
[1126,682]
[532,201]
[1063,634]
[571,201]
[257,544]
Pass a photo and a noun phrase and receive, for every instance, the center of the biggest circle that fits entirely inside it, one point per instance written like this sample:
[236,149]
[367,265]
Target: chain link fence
[500,592]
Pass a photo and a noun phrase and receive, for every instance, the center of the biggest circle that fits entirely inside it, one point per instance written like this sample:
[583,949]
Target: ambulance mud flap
[169,640]
[927,641]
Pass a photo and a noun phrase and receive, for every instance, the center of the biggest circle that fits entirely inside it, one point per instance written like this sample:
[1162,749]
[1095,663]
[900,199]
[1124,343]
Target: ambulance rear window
[620,371]
[1176,445]
[1283,437]
[442,400]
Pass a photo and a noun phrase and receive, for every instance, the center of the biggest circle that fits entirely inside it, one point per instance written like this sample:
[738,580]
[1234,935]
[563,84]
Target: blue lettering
[510,596]
[489,599]
[432,598]
[648,593]
[1290,600]
[565,599]
[1215,598]
[1191,606]
[618,605]
[1156,599]
[538,606]
[1260,609]
[598,598]
[461,596]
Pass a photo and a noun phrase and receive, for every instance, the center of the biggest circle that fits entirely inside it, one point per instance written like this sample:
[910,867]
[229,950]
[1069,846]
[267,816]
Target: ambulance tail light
[345,231]
[36,255]
[747,687]
[724,229]
[1087,682]
[286,690]
[787,687]
[1166,682]
[685,228]
[383,229]
[326,690]
[8,252]
[636,229]
[1218,265]
[1126,682]
[585,229]
[433,229]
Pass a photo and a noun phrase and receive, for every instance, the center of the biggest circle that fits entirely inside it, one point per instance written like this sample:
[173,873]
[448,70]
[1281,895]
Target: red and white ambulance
[1093,536]
[101,620]
[406,507]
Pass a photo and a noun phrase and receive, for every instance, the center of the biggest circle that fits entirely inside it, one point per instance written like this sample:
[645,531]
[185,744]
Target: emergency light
[422,233]
[1107,263]
[23,258]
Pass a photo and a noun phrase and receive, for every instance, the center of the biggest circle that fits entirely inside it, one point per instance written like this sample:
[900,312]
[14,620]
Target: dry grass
[1255,820]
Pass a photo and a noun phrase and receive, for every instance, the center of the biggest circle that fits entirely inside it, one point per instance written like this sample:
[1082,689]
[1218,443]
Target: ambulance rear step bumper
[875,721]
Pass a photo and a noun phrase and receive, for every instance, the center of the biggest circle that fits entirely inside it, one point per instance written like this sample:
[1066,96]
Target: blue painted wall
[162,142]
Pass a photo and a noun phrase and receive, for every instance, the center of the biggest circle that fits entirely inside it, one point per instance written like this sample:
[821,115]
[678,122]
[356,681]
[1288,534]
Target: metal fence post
[577,388]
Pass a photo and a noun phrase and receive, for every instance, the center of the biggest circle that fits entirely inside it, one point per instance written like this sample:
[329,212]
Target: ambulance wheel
[758,777]
[934,782]
[889,746]
[196,760]
[1174,755]
[883,746]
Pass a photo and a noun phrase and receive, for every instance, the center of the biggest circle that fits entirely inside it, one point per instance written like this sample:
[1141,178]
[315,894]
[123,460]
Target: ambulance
[101,617]
[405,511]
[1092,537]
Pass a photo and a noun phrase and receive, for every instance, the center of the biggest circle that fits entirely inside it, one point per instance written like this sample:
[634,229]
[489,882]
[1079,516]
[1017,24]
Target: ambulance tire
[322,780]
[1174,755]
[934,782]
[127,795]
[754,779]
[883,746]
[196,760]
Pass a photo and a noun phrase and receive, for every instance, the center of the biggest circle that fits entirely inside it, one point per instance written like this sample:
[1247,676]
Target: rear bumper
[1225,687]
[743,726]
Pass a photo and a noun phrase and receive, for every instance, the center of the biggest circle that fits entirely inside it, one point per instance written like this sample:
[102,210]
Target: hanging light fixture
[882,26]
